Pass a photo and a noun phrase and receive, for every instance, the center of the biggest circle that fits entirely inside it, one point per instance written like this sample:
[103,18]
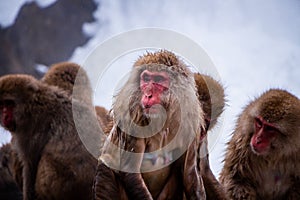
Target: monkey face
[263,137]
[6,111]
[153,85]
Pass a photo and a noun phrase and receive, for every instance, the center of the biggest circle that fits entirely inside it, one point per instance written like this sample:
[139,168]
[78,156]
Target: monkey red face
[6,109]
[264,133]
[153,85]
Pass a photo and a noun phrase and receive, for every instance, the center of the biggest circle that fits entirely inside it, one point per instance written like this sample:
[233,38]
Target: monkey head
[160,88]
[211,95]
[158,75]
[20,97]
[71,78]
[275,122]
[62,75]
[152,92]
[12,94]
[7,120]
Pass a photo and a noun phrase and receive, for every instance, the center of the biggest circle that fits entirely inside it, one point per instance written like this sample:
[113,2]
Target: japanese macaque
[212,97]
[64,75]
[74,80]
[263,157]
[9,189]
[153,149]
[56,165]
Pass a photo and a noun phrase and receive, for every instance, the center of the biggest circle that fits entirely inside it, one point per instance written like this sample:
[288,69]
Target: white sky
[254,44]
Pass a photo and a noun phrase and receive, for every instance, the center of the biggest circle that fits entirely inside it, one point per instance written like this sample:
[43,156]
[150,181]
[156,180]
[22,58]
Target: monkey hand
[242,192]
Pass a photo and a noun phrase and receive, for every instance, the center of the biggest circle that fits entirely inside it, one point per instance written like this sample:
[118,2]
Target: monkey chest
[156,165]
[156,180]
[274,184]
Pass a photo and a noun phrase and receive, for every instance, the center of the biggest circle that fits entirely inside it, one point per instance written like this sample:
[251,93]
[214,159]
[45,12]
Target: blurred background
[255,45]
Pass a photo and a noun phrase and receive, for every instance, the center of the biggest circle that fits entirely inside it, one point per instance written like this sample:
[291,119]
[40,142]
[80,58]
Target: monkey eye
[158,79]
[258,123]
[270,129]
[7,103]
[146,77]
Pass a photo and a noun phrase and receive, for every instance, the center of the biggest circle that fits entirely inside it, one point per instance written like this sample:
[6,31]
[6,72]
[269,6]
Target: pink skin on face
[152,85]
[264,134]
[7,113]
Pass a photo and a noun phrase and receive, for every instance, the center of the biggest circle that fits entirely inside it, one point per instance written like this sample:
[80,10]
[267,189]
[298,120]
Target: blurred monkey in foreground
[55,163]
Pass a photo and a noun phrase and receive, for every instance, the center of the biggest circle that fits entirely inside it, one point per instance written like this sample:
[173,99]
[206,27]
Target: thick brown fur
[74,80]
[212,97]
[56,165]
[181,178]
[104,118]
[275,175]
[71,78]
[62,75]
[9,189]
[213,188]
[165,58]
[14,164]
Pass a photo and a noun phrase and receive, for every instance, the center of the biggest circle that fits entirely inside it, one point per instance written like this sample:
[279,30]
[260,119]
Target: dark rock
[44,35]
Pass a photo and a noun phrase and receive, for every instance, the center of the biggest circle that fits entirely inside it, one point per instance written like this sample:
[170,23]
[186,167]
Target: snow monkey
[159,120]
[74,80]
[263,157]
[212,97]
[56,165]
[64,75]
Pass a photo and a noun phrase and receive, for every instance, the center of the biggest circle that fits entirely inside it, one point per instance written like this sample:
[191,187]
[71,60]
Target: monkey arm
[171,189]
[193,184]
[29,176]
[122,154]
[213,189]
[135,186]
[236,185]
[105,185]
[31,162]
[242,191]
[133,182]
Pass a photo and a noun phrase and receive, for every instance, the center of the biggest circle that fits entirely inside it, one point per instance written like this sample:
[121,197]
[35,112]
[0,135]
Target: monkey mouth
[7,122]
[153,112]
[155,109]
[259,150]
[10,127]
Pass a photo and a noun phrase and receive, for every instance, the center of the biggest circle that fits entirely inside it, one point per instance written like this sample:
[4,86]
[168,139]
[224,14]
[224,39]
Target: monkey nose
[258,140]
[148,92]
[148,95]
